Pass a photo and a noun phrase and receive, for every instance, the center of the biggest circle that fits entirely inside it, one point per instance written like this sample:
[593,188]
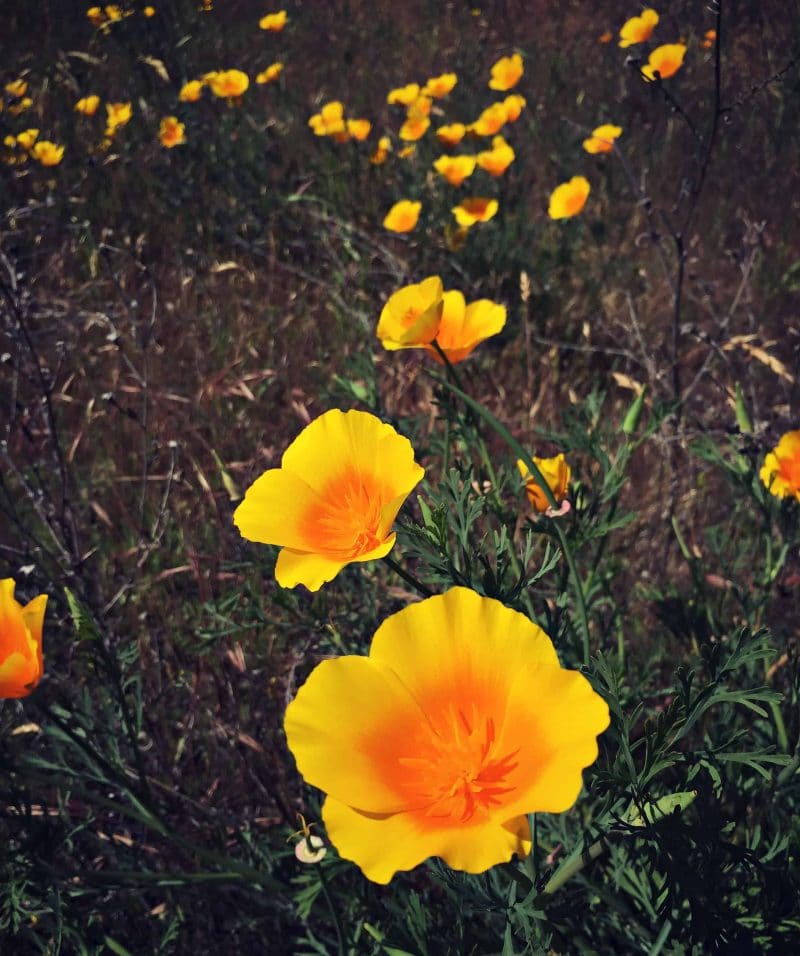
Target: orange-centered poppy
[638,29]
[665,61]
[555,471]
[781,469]
[21,664]
[334,498]
[459,723]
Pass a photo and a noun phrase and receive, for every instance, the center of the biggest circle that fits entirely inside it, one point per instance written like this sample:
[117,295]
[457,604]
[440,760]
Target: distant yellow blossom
[491,120]
[665,60]
[329,120]
[475,209]
[451,135]
[229,83]
[113,12]
[455,169]
[149,11]
[411,316]
[555,471]
[272,72]
[638,29]
[191,91]
[419,108]
[569,198]
[95,16]
[403,216]
[274,22]
[27,138]
[414,129]
[88,104]
[403,95]
[407,151]
[506,73]
[780,472]
[358,128]
[513,104]
[118,114]
[440,86]
[381,151]
[47,153]
[20,106]
[171,132]
[602,139]
[17,88]
[496,160]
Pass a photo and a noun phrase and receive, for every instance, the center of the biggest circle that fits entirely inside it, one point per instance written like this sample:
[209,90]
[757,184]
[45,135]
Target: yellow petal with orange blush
[382,845]
[275,510]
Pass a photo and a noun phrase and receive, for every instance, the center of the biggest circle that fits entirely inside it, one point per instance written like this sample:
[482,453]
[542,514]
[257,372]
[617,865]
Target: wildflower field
[400,478]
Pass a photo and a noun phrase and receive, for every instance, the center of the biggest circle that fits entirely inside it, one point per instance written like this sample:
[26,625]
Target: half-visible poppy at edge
[21,661]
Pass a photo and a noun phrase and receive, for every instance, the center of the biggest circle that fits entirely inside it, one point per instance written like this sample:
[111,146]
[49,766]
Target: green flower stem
[334,914]
[568,870]
[408,578]
[538,477]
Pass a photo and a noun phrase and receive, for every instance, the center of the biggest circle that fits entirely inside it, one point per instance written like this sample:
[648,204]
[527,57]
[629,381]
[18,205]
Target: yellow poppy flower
[638,29]
[16,88]
[117,115]
[113,12]
[21,663]
[274,22]
[20,106]
[451,135]
[514,104]
[781,469]
[403,95]
[358,128]
[506,73]
[191,91]
[555,471]
[602,139]
[403,216]
[439,86]
[27,138]
[455,169]
[665,60]
[171,132]
[47,153]
[569,198]
[87,105]
[149,12]
[334,498]
[420,108]
[463,327]
[407,152]
[475,209]
[459,723]
[330,119]
[382,151]
[95,16]
[272,72]
[491,120]
[229,83]
[496,160]
[410,319]
[414,129]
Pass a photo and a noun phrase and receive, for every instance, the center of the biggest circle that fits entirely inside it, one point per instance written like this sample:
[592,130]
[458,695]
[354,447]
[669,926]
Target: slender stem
[568,870]
[408,578]
[540,480]
[334,914]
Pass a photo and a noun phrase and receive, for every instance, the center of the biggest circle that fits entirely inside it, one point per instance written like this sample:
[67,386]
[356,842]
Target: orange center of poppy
[459,772]
[789,471]
[346,524]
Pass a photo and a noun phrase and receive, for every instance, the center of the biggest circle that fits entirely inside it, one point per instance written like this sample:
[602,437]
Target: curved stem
[408,578]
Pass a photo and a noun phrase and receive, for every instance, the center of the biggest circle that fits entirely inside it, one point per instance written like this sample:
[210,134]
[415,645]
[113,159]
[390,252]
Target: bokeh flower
[452,134]
[95,16]
[330,119]
[229,83]
[455,169]
[475,209]
[605,37]
[273,22]
[495,161]
[171,132]
[16,88]
[780,472]
[382,150]
[514,104]
[569,198]
[638,29]
[555,471]
[21,663]
[403,216]
[272,72]
[459,723]
[117,115]
[334,498]
[27,138]
[709,39]
[491,120]
[20,106]
[665,61]
[420,107]
[47,153]
[87,105]
[506,73]
[602,139]
[149,12]
[358,128]
[462,327]
[403,95]
[410,319]
[439,86]
[191,91]
[414,128]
